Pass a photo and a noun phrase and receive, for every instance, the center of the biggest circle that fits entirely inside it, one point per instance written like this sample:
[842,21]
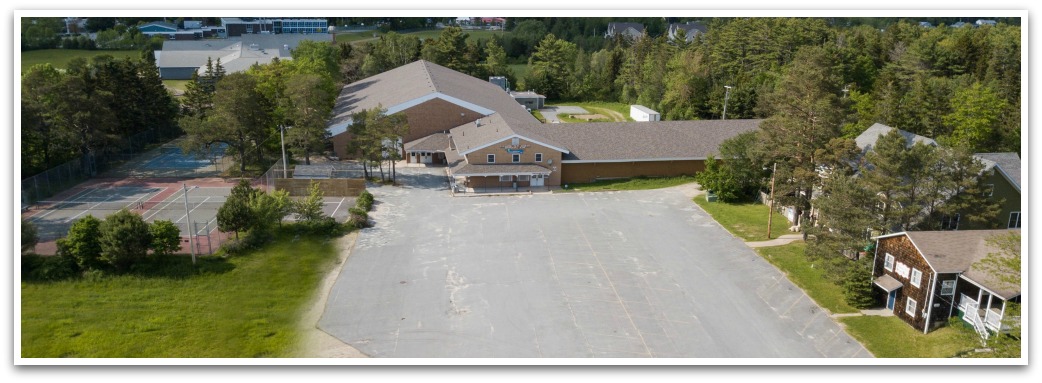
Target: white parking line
[337,207]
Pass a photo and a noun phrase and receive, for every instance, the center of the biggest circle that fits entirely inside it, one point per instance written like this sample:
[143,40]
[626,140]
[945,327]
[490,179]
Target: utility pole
[727,94]
[188,223]
[282,137]
[770,212]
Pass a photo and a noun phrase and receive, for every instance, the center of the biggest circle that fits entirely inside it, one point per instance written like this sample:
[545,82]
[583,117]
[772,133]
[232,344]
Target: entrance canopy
[479,170]
[888,283]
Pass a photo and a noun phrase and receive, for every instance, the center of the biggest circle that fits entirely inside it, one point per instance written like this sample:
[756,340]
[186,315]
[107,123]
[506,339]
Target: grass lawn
[59,58]
[356,36]
[747,220]
[637,183]
[890,337]
[520,70]
[237,307]
[791,260]
[569,118]
[177,86]
[615,111]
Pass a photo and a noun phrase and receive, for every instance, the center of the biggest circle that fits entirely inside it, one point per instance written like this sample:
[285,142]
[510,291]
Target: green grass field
[791,260]
[178,86]
[637,183]
[747,221]
[520,70]
[890,337]
[243,306]
[60,58]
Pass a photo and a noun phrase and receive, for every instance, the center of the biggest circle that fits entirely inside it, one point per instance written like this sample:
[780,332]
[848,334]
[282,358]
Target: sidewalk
[783,239]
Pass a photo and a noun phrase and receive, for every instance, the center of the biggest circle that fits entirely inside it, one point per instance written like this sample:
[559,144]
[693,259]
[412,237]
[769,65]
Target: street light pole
[727,94]
[770,212]
[188,223]
[282,137]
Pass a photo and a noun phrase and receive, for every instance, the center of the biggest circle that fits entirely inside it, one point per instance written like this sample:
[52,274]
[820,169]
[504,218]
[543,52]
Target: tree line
[90,108]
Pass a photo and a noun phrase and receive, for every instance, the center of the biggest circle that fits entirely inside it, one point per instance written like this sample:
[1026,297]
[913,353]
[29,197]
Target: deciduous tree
[124,239]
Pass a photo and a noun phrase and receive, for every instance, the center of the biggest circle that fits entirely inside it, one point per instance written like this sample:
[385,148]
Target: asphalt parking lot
[613,274]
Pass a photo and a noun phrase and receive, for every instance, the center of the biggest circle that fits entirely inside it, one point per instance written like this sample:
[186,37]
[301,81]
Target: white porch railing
[969,308]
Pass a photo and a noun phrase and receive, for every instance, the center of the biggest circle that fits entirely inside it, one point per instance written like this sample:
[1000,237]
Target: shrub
[36,267]
[29,237]
[365,200]
[310,208]
[166,237]
[82,244]
[359,217]
[234,215]
[125,238]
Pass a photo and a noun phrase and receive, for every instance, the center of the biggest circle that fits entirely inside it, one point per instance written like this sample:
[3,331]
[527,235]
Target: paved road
[550,113]
[614,274]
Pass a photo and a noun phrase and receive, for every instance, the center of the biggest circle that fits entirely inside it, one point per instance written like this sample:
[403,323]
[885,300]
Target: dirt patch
[589,117]
[314,342]
[611,114]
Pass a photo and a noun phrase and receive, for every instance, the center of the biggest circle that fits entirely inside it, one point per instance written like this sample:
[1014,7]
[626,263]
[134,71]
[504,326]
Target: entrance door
[537,180]
[412,157]
[890,300]
[425,157]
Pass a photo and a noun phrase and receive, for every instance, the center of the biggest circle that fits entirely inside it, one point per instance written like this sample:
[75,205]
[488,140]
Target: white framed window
[917,277]
[515,141]
[989,190]
[539,157]
[491,158]
[515,158]
[523,177]
[948,287]
[506,178]
[889,262]
[1014,220]
[910,307]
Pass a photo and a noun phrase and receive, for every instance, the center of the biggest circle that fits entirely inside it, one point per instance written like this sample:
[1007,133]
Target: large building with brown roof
[487,139]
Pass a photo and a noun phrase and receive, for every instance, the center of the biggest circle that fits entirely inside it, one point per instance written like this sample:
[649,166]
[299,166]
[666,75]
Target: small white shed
[642,113]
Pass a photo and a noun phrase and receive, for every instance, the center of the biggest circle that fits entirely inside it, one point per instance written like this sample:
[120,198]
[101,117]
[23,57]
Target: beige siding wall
[492,182]
[589,172]
[551,157]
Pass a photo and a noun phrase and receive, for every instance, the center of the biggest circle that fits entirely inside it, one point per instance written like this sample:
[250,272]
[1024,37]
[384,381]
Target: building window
[950,222]
[539,157]
[910,307]
[491,158]
[917,277]
[948,287]
[523,177]
[515,141]
[506,178]
[1014,220]
[989,190]
[889,263]
[515,158]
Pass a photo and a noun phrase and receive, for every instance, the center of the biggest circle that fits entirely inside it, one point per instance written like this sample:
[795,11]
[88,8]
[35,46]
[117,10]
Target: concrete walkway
[783,239]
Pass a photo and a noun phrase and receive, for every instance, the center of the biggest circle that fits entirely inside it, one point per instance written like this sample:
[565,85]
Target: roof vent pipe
[477,122]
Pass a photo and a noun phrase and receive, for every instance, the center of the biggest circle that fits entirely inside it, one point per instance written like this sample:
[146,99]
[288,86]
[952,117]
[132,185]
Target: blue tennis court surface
[175,158]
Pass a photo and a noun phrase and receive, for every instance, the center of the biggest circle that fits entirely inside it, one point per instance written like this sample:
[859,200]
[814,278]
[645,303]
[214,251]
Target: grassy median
[747,221]
[636,183]
[236,307]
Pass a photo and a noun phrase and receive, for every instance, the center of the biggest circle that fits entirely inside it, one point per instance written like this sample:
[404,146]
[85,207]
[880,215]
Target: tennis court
[156,201]
[173,157]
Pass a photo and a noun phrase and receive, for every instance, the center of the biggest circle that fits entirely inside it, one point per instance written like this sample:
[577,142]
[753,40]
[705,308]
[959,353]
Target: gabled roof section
[642,141]
[1008,164]
[957,251]
[494,129]
[867,139]
[414,83]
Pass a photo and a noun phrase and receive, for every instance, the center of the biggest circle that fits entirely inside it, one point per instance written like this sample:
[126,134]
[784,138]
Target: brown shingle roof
[434,142]
[648,140]
[957,251]
[419,79]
